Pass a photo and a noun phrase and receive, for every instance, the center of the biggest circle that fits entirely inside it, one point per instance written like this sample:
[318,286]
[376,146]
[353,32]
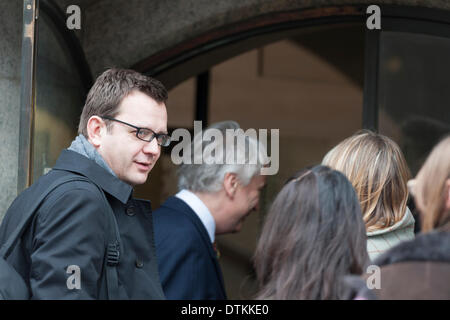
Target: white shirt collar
[200,209]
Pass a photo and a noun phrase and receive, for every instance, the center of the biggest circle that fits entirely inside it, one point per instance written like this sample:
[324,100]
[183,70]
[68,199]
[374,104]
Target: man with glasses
[62,254]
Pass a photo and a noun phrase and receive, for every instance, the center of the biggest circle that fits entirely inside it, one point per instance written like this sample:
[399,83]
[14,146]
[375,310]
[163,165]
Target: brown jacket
[417,269]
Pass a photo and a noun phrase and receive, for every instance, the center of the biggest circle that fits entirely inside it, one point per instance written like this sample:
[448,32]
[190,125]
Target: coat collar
[77,163]
[406,224]
[433,246]
[201,210]
[177,204]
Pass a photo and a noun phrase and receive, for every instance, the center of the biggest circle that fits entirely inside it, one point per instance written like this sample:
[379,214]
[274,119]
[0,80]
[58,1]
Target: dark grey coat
[417,269]
[70,229]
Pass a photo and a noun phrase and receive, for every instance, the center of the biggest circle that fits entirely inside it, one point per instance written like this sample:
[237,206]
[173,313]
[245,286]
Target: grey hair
[245,161]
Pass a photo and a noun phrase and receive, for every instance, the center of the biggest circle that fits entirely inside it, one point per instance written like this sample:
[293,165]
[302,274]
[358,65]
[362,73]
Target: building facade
[317,70]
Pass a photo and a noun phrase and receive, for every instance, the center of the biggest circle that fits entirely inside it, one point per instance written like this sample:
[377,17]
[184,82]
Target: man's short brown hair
[111,87]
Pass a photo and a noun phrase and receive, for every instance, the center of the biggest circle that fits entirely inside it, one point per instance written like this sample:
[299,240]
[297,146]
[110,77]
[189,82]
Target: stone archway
[146,33]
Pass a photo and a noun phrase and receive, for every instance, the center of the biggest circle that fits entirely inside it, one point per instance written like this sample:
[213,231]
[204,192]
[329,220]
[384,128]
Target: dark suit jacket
[187,262]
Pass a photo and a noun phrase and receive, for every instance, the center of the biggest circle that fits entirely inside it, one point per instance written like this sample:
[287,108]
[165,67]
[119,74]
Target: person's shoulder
[79,195]
[433,246]
[172,223]
[75,186]
[172,208]
[71,189]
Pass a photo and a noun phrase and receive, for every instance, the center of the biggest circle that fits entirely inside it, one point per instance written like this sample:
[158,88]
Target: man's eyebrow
[158,132]
[162,132]
[148,128]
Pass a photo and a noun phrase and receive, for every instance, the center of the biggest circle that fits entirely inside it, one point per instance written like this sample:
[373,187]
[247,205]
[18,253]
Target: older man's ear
[230,184]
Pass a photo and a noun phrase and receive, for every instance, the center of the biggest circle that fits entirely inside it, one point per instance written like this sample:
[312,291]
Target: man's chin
[137,180]
[238,228]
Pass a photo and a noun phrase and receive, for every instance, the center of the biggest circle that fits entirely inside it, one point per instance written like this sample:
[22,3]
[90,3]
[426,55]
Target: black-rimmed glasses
[146,134]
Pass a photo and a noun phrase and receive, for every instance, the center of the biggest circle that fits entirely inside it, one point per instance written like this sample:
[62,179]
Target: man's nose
[152,147]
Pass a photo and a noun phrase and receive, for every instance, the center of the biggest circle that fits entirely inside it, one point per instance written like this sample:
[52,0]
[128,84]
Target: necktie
[216,249]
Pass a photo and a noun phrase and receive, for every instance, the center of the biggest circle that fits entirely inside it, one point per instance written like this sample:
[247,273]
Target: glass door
[62,82]
[27,93]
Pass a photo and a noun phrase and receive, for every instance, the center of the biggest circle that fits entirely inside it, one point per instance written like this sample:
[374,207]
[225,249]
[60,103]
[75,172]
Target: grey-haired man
[214,198]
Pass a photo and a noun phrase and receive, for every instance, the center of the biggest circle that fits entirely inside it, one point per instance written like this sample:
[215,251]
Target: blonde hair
[377,169]
[429,190]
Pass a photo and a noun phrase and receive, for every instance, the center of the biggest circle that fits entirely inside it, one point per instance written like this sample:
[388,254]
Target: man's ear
[230,184]
[447,192]
[96,128]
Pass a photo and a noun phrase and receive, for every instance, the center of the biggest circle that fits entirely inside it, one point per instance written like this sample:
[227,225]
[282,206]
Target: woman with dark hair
[313,237]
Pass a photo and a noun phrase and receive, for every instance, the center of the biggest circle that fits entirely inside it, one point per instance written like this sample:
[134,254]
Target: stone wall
[122,33]
[10,48]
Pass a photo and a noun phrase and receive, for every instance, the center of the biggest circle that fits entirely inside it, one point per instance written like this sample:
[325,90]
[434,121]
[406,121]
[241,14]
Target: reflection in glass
[414,95]
[59,98]
[309,86]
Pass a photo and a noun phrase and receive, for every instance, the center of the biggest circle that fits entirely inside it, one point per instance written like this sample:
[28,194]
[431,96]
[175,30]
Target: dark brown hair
[313,236]
[111,87]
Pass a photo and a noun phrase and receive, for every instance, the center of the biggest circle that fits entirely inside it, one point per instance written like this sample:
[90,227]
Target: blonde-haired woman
[377,169]
[420,269]
[431,188]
